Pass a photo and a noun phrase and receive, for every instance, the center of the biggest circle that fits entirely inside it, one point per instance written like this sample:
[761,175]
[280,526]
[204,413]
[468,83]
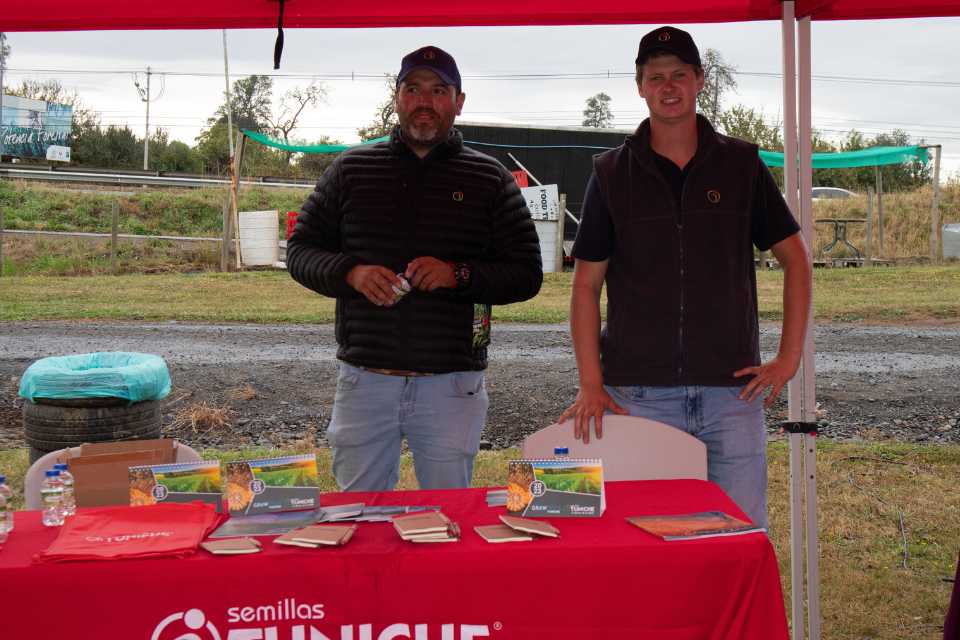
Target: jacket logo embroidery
[458,196]
[713,196]
[663,37]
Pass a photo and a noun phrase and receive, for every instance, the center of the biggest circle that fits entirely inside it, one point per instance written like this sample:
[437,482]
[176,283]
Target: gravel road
[873,382]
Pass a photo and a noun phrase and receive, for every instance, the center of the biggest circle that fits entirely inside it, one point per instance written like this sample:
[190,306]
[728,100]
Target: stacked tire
[56,424]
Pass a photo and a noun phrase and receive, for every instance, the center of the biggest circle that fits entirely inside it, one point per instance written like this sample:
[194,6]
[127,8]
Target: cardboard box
[101,471]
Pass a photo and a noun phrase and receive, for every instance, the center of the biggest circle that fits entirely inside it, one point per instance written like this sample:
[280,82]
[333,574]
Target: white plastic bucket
[259,237]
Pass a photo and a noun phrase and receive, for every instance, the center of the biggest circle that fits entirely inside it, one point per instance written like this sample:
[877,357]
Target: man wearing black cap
[669,222]
[416,238]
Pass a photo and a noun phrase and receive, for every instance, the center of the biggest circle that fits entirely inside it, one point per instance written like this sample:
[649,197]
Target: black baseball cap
[669,40]
[433,59]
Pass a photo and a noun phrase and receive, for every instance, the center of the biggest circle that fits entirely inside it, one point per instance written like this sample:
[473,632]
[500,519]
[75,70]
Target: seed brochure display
[177,482]
[556,488]
[271,485]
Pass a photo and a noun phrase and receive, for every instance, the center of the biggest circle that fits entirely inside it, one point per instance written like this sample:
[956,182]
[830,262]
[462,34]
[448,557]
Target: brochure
[501,533]
[267,524]
[319,535]
[270,485]
[538,527]
[232,546]
[556,488]
[693,526]
[177,482]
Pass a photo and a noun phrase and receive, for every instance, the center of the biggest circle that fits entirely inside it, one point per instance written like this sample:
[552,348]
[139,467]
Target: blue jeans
[440,415]
[732,429]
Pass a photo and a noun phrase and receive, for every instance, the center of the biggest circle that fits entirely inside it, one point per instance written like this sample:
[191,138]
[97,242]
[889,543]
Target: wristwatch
[462,274]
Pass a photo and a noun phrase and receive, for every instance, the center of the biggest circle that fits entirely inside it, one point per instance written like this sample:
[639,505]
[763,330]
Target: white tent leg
[794,388]
[808,410]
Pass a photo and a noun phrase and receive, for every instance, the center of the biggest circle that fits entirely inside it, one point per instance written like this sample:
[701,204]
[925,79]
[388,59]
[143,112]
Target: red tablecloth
[603,578]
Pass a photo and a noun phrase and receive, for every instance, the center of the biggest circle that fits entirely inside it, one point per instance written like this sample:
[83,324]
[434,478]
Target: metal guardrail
[143,178]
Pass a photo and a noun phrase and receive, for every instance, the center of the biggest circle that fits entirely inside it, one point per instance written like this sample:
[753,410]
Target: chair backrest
[37,471]
[631,449]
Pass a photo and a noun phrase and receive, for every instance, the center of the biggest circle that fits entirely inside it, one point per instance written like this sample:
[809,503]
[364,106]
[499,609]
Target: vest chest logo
[713,196]
[458,196]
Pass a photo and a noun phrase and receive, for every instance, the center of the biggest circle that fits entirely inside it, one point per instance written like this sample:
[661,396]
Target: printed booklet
[270,485]
[177,482]
[693,526]
[556,488]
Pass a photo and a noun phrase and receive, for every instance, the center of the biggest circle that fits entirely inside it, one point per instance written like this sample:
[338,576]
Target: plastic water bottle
[69,500]
[6,514]
[51,493]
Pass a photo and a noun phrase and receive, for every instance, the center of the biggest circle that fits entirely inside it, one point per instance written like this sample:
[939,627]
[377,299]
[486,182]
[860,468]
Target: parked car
[831,193]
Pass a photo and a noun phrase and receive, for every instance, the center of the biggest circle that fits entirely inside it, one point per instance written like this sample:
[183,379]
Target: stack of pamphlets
[496,497]
[232,546]
[318,535]
[431,526]
[693,526]
[516,529]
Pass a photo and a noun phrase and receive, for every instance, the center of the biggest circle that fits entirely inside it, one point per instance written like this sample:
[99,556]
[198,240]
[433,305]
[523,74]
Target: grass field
[879,294]
[888,517]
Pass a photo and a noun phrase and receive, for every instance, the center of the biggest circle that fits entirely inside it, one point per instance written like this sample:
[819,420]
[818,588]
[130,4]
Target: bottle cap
[561,451]
[52,473]
[3,478]
[60,466]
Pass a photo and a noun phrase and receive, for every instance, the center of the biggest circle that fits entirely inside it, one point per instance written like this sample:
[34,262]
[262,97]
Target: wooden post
[560,216]
[935,209]
[114,226]
[227,234]
[235,194]
[867,249]
[880,211]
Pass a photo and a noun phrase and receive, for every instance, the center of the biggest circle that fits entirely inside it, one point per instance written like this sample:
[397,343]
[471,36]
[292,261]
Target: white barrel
[259,237]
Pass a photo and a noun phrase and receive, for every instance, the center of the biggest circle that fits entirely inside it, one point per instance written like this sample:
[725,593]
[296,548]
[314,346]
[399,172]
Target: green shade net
[305,148]
[872,157]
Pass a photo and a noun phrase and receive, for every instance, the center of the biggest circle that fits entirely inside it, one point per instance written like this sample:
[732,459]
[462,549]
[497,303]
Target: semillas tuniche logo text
[291,619]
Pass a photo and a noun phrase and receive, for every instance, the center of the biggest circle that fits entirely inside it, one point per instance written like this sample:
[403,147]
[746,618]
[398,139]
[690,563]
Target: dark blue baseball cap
[433,59]
[669,40]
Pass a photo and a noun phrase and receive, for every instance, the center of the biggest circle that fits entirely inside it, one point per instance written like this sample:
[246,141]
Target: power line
[589,75]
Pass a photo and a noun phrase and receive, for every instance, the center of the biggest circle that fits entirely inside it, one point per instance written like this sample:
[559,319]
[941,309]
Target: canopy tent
[871,157]
[795,17]
[67,15]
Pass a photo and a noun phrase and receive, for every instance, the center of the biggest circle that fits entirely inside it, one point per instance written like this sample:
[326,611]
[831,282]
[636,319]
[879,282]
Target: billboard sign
[28,128]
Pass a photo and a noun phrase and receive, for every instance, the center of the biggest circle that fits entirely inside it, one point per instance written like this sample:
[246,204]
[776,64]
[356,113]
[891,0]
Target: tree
[748,124]
[312,165]
[4,51]
[717,80]
[598,114]
[292,106]
[385,117]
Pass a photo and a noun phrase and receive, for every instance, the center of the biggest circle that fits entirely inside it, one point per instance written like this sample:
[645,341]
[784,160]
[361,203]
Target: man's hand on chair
[592,402]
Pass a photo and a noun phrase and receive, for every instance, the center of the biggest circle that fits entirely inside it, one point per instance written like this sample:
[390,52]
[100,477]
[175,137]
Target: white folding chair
[631,449]
[37,471]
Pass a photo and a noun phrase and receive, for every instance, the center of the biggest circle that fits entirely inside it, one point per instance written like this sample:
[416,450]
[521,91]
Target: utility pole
[146,97]
[3,65]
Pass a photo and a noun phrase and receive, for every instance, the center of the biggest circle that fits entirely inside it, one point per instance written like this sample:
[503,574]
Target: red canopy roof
[76,15]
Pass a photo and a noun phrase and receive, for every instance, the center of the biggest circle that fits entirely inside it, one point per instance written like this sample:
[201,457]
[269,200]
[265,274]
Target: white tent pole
[794,388]
[808,409]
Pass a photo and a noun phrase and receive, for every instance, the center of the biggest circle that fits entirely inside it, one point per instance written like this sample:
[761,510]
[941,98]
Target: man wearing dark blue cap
[416,238]
[668,223]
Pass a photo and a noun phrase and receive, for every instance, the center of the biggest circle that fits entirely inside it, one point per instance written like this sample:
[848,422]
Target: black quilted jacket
[381,204]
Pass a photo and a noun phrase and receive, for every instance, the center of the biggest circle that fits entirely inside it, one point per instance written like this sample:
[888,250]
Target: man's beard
[425,134]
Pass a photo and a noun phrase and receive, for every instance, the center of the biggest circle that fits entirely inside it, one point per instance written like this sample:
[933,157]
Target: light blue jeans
[441,417]
[732,429]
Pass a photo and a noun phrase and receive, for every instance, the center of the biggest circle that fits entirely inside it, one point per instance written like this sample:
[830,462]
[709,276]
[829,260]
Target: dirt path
[873,382]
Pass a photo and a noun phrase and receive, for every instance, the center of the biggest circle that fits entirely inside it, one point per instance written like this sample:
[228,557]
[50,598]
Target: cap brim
[440,74]
[646,54]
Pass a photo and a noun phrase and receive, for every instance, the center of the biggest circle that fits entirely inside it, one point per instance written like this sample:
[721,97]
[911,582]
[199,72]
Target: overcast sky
[877,76]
